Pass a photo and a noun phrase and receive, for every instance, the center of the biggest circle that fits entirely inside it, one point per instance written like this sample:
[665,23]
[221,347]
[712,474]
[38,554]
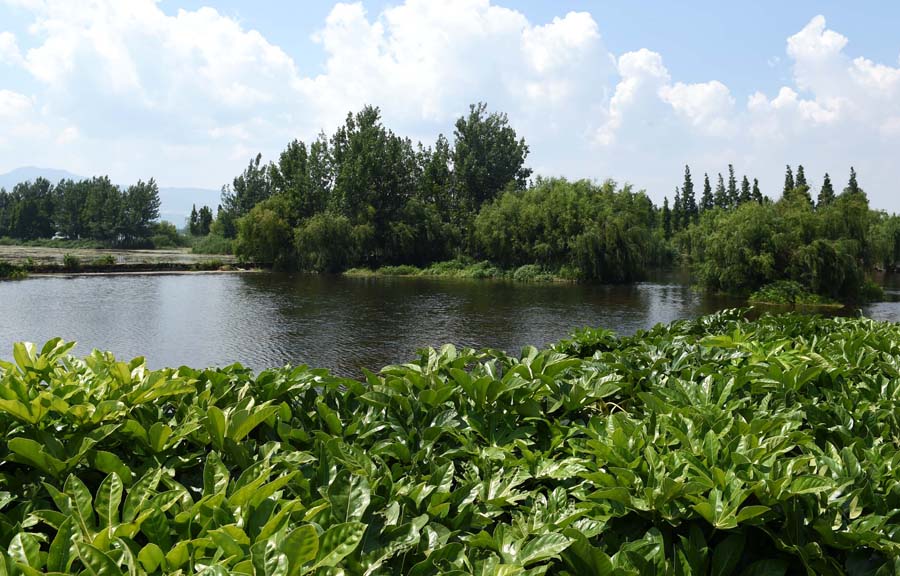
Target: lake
[264,320]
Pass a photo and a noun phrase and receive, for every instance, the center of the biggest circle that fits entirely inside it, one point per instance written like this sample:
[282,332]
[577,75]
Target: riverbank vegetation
[92,210]
[367,198]
[719,445]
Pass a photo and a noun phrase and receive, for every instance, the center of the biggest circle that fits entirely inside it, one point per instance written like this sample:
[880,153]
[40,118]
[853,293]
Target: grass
[790,293]
[482,270]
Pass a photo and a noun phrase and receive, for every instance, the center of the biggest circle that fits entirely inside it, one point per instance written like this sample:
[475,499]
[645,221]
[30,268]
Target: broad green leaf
[96,562]
[339,541]
[108,500]
[300,546]
[151,557]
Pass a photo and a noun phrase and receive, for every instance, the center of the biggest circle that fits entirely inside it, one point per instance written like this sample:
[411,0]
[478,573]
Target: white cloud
[9,49]
[125,87]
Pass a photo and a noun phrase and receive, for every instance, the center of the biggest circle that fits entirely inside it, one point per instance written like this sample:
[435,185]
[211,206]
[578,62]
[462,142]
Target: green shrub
[402,270]
[11,271]
[212,264]
[788,292]
[712,446]
[211,244]
[105,260]
[327,243]
[71,262]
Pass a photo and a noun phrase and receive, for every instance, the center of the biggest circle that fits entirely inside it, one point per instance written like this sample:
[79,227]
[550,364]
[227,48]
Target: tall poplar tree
[667,218]
[688,200]
[721,197]
[746,194]
[757,195]
[826,193]
[677,211]
[733,199]
[788,181]
[706,201]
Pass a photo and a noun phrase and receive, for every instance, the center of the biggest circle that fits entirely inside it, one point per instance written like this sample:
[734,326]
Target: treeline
[91,209]
[829,244]
[365,197]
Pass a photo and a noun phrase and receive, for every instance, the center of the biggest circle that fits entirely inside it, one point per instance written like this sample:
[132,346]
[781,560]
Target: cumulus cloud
[188,95]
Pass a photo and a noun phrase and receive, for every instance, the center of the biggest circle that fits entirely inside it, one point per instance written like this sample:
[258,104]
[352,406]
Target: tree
[755,193]
[688,200]
[788,181]
[194,221]
[721,196]
[733,199]
[140,209]
[826,193]
[800,181]
[667,218]
[706,201]
[678,216]
[487,156]
[746,194]
[246,191]
[852,186]
[103,210]
[204,221]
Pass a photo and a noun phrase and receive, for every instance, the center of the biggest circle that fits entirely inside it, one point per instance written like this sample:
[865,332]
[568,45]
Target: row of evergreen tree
[89,209]
[685,209]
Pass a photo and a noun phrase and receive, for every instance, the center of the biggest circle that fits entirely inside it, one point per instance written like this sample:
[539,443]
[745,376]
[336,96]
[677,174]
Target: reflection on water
[344,324]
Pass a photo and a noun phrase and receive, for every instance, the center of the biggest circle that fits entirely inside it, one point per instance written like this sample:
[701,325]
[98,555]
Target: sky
[187,91]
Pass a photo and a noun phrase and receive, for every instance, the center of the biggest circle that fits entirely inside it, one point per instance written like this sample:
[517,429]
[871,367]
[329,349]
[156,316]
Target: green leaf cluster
[715,446]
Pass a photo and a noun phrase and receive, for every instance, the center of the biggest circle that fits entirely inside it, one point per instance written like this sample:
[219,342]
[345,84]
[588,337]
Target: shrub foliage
[721,446]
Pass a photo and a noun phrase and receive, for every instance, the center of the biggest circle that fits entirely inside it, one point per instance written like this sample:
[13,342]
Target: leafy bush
[531,273]
[401,270]
[71,262]
[714,446]
[105,260]
[327,243]
[166,235]
[211,244]
[11,271]
[788,292]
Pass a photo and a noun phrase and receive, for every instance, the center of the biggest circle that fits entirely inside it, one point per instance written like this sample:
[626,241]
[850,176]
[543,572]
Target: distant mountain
[27,173]
[175,203]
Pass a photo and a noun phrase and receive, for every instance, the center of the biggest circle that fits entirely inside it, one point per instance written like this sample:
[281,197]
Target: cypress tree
[706,201]
[688,200]
[677,211]
[852,186]
[667,218]
[721,197]
[746,195]
[788,181]
[801,178]
[732,187]
[194,222]
[757,195]
[826,193]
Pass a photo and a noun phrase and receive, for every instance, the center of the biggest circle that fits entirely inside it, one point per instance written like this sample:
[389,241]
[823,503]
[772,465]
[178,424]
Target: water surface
[265,320]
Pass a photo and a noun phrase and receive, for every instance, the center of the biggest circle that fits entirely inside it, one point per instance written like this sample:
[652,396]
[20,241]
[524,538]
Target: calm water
[265,320]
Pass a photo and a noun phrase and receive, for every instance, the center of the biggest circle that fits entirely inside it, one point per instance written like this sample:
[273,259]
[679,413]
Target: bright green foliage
[608,234]
[264,234]
[716,446]
[89,209]
[706,200]
[829,250]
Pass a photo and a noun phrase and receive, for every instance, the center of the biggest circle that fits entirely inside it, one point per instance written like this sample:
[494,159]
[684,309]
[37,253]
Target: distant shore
[43,261]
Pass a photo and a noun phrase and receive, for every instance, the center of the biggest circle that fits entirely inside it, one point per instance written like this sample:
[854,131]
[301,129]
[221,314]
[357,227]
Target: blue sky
[187,91]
